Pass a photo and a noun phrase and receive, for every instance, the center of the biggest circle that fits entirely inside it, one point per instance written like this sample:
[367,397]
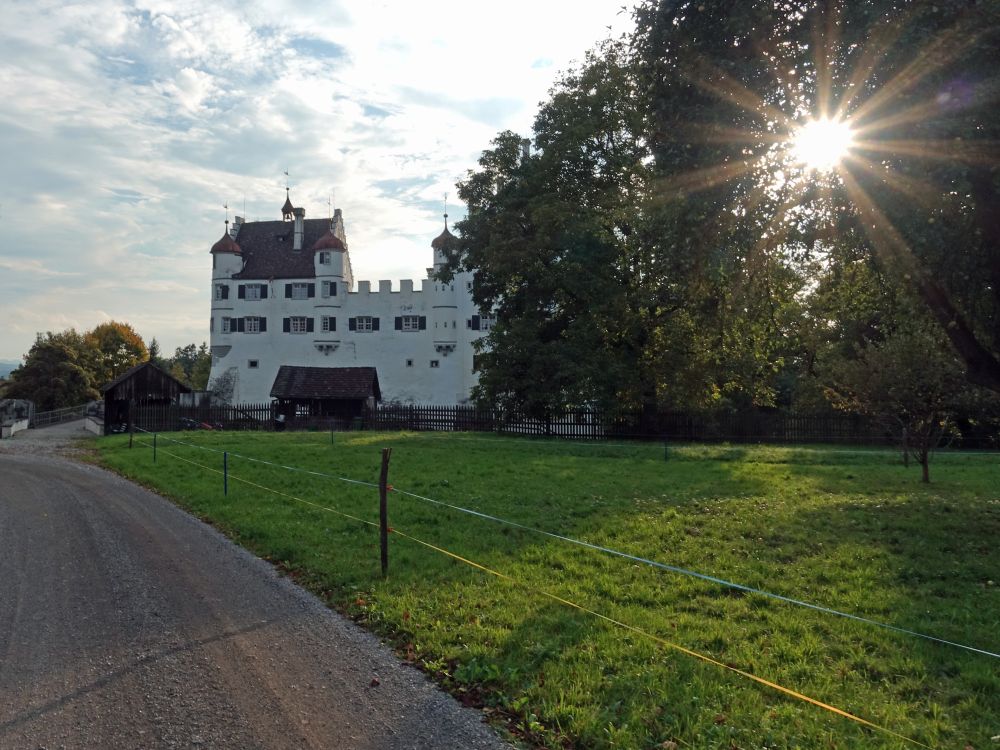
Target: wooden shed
[143,384]
[341,393]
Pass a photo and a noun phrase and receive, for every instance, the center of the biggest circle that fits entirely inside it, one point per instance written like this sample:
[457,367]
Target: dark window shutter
[423,323]
[225,291]
[263,291]
[241,325]
[309,325]
[352,324]
[312,291]
[241,292]
[475,322]
[288,291]
[374,324]
[468,323]
[263,325]
[333,288]
[286,325]
[399,324]
[333,324]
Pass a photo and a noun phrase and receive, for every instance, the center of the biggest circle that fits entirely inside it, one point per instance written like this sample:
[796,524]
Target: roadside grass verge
[847,529]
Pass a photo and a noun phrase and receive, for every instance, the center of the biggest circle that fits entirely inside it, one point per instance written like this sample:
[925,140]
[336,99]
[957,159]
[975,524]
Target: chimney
[237,223]
[300,217]
[525,149]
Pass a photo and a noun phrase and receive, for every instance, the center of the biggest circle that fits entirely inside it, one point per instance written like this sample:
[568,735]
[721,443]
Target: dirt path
[126,623]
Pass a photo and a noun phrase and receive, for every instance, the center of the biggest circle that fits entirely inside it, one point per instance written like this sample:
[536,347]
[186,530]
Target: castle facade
[283,293]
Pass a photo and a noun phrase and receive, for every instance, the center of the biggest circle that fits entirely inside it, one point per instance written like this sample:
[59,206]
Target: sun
[822,144]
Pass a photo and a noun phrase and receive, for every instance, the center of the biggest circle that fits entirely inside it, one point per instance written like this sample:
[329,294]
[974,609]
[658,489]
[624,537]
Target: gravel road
[126,623]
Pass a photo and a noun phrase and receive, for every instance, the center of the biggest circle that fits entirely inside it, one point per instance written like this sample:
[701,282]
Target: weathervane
[226,206]
[445,210]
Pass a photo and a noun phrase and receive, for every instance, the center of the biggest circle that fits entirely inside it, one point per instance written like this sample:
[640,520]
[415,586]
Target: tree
[55,373]
[155,356]
[191,365]
[114,347]
[729,82]
[910,381]
[549,235]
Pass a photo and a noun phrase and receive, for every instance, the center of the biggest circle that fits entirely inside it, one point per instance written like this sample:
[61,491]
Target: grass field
[850,530]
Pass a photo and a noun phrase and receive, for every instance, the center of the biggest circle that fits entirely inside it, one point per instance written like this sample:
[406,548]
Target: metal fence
[67,414]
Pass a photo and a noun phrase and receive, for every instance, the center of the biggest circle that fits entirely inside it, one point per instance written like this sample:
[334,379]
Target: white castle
[283,294]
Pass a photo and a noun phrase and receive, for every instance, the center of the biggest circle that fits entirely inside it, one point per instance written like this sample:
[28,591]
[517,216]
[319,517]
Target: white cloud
[141,119]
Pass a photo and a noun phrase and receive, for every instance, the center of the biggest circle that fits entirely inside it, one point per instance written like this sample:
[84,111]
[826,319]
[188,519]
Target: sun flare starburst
[822,144]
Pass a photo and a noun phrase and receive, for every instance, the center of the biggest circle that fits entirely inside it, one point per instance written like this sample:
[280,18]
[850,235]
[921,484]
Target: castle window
[363,323]
[328,323]
[329,289]
[324,258]
[411,323]
[300,290]
[435,363]
[227,325]
[253,291]
[409,363]
[298,324]
[222,291]
[486,323]
[253,364]
[211,325]
[252,324]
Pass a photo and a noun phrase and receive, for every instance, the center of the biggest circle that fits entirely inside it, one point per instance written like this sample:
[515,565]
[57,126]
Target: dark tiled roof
[267,249]
[325,383]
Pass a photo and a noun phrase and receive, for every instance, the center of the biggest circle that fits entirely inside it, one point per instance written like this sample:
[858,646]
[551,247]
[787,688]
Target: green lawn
[851,530]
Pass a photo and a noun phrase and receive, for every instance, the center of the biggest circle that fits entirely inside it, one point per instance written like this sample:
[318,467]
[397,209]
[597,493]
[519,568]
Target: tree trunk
[925,469]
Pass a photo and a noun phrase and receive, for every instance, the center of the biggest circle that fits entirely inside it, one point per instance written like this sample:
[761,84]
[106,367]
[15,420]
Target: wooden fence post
[154,447]
[383,510]
[225,472]
[131,424]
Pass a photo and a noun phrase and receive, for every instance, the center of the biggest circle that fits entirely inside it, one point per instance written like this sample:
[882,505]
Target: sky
[126,126]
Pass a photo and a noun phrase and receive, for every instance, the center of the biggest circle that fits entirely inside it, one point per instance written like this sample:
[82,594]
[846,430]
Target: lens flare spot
[822,144]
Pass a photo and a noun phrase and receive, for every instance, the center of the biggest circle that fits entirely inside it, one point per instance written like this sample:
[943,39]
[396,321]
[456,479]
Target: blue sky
[125,126]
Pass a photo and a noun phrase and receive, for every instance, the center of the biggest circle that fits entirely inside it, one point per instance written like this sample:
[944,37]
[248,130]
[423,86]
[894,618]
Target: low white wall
[9,429]
[94,425]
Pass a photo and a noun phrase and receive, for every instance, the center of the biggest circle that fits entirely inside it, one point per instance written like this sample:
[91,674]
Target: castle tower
[227,258]
[443,245]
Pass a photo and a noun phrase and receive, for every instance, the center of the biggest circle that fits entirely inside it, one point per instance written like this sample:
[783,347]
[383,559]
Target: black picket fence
[744,427]
[171,417]
[733,427]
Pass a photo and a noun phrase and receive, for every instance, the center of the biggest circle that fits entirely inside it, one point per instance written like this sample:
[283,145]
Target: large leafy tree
[730,83]
[552,236]
[114,348]
[55,373]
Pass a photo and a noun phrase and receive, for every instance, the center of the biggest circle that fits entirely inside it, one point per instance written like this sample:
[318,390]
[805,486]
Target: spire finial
[446,211]
[286,181]
[226,206]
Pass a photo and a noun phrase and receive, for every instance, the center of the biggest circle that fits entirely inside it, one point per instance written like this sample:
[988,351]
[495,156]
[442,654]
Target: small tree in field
[910,382]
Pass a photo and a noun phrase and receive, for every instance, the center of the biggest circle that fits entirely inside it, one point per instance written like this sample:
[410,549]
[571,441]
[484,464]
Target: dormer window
[324,258]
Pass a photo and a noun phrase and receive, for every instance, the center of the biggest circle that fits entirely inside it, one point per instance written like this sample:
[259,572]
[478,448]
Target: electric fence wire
[574,605]
[627,556]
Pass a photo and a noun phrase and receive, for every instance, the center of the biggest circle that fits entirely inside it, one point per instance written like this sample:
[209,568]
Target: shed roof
[267,249]
[143,382]
[325,383]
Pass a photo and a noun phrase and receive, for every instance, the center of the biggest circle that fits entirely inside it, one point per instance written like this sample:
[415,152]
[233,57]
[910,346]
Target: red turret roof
[444,240]
[329,241]
[288,207]
[226,245]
